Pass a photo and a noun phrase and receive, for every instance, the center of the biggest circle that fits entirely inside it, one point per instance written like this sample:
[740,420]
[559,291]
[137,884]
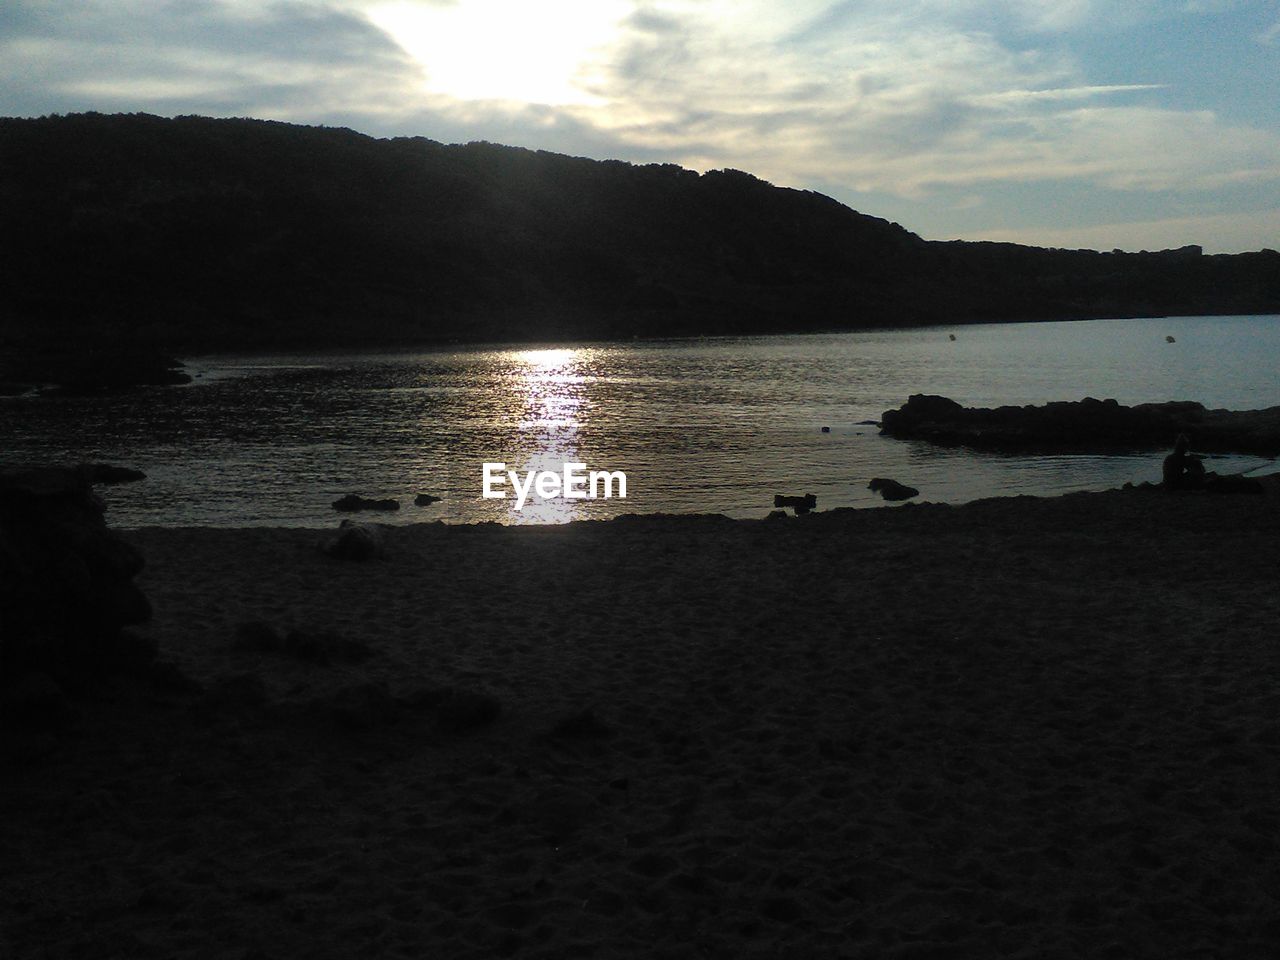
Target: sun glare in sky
[505,49]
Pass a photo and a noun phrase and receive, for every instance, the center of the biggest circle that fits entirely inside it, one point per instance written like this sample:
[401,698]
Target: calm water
[714,425]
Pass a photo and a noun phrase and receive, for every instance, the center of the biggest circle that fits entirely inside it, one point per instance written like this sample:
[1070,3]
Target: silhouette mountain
[197,233]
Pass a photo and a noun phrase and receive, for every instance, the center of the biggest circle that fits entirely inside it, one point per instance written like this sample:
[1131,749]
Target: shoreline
[1016,727]
[1270,481]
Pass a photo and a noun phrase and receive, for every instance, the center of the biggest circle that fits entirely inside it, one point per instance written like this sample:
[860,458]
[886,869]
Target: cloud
[901,98]
[1064,93]
[278,59]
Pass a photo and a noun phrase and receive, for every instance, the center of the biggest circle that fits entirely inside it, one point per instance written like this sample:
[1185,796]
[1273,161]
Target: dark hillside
[200,233]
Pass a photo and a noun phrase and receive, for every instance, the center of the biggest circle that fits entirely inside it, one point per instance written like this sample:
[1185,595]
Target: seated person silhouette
[1183,470]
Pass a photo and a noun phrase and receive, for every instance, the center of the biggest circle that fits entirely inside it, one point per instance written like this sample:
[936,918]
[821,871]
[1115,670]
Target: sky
[1132,124]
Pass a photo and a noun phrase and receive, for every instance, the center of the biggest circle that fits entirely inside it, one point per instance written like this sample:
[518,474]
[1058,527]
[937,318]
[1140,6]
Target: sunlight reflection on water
[706,425]
[551,387]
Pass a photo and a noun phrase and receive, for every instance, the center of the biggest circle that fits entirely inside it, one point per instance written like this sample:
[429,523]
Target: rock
[355,542]
[106,473]
[134,652]
[777,515]
[801,505]
[35,701]
[352,502]
[826,429]
[425,500]
[1087,425]
[79,372]
[892,489]
[66,580]
[1169,339]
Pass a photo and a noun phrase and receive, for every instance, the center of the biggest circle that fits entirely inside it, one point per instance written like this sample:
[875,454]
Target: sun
[513,50]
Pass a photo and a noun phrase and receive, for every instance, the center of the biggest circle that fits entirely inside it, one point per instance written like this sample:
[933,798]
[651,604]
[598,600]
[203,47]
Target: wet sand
[1017,728]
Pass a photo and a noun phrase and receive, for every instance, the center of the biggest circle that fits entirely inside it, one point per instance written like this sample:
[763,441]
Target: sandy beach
[1017,728]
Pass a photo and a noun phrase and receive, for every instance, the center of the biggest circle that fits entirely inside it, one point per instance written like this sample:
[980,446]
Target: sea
[700,425]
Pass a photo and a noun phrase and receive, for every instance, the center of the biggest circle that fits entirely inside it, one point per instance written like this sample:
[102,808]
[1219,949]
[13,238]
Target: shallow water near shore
[698,425]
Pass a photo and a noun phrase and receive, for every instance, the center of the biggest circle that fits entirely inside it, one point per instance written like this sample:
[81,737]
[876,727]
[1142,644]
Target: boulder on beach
[355,541]
[892,489]
[352,502]
[801,505]
[1084,426]
[66,581]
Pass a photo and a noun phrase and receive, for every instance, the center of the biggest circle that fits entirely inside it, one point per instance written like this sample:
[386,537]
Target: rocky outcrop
[109,474]
[355,541]
[801,505]
[66,582]
[892,489]
[1085,426]
[86,369]
[353,502]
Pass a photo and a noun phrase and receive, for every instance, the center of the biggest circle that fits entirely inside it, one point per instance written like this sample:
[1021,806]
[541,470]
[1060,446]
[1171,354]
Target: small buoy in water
[1170,340]
[826,429]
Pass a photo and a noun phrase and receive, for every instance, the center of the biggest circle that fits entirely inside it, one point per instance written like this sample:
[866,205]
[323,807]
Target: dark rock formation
[353,502]
[34,700]
[86,366]
[801,505]
[109,474]
[892,489]
[425,500]
[66,582]
[355,541]
[1084,426]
